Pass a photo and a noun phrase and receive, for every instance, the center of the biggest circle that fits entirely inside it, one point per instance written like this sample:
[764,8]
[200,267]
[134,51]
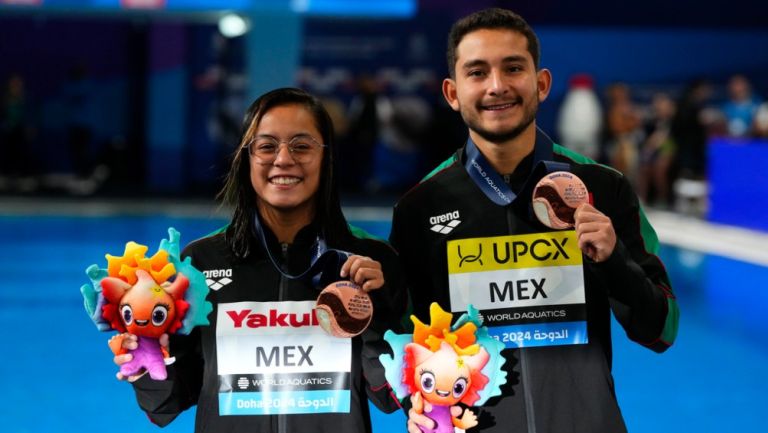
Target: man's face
[497,89]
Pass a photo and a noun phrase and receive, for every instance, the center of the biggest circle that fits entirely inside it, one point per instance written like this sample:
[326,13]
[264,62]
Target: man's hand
[597,239]
[416,415]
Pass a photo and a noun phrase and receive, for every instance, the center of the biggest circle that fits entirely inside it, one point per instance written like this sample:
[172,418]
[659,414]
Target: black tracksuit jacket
[193,378]
[556,389]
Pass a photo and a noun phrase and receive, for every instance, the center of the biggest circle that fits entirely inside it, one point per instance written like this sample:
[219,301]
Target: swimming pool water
[59,374]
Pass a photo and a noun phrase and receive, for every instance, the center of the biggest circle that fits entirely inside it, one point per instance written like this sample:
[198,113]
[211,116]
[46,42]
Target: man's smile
[501,106]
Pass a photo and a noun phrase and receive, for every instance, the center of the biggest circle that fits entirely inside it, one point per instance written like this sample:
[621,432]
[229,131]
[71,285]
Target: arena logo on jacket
[445,223]
[528,288]
[217,278]
[274,358]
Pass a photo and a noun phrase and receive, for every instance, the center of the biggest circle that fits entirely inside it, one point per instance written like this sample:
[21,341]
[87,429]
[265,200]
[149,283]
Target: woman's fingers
[130,342]
[363,271]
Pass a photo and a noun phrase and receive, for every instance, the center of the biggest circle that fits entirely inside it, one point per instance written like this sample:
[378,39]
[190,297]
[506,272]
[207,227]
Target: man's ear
[449,92]
[544,83]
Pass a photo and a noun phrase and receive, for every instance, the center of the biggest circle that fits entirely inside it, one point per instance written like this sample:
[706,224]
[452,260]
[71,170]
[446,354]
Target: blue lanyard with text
[325,263]
[492,184]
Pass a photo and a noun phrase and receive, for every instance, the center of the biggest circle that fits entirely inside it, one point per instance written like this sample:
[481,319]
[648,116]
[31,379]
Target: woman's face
[284,184]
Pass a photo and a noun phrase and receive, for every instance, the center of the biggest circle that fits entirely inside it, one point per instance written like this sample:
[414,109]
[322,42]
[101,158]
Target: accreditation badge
[274,358]
[529,288]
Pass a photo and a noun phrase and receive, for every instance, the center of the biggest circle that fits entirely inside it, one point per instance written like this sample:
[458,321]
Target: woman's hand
[122,344]
[595,232]
[363,271]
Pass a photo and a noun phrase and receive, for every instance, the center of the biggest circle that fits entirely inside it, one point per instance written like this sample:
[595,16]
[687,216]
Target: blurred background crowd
[138,103]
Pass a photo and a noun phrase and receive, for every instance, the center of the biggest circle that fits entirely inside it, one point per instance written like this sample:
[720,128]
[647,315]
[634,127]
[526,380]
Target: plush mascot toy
[444,365]
[147,297]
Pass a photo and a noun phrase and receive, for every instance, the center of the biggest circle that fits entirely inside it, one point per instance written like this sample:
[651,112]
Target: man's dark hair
[493,18]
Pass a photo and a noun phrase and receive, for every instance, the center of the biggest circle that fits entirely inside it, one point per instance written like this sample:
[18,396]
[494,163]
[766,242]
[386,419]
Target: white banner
[516,288]
[276,337]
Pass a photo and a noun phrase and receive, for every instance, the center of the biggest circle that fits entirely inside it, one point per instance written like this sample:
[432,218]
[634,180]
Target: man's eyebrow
[479,62]
[515,58]
[473,63]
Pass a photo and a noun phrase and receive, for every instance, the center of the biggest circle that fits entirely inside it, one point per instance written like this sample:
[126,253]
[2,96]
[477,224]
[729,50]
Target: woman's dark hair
[240,195]
[493,19]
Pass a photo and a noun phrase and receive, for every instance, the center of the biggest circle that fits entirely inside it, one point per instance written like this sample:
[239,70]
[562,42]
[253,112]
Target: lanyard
[325,263]
[492,184]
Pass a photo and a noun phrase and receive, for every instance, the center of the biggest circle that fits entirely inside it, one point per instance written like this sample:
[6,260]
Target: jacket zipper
[523,352]
[281,419]
[284,265]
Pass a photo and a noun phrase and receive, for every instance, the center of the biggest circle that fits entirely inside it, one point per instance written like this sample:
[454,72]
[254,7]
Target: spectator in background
[357,153]
[689,129]
[657,153]
[624,132]
[405,119]
[384,144]
[580,119]
[741,107]
[761,121]
[445,132]
[692,126]
[15,136]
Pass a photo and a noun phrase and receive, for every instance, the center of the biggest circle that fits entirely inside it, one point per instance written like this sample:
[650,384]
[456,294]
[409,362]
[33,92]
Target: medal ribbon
[325,263]
[493,185]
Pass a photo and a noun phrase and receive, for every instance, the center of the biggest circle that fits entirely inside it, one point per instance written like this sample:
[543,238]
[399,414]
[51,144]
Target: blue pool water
[60,376]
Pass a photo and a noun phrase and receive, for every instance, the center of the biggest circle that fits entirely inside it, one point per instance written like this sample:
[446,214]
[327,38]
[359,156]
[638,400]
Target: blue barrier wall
[738,182]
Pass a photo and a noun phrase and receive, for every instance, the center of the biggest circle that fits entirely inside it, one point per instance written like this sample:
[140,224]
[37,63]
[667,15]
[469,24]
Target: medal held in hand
[344,309]
[556,197]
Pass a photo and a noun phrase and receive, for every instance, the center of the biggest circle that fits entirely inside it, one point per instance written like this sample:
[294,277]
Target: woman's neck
[285,224]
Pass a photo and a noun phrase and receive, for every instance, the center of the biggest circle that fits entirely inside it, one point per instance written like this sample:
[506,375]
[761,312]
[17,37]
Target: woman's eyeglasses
[303,149]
